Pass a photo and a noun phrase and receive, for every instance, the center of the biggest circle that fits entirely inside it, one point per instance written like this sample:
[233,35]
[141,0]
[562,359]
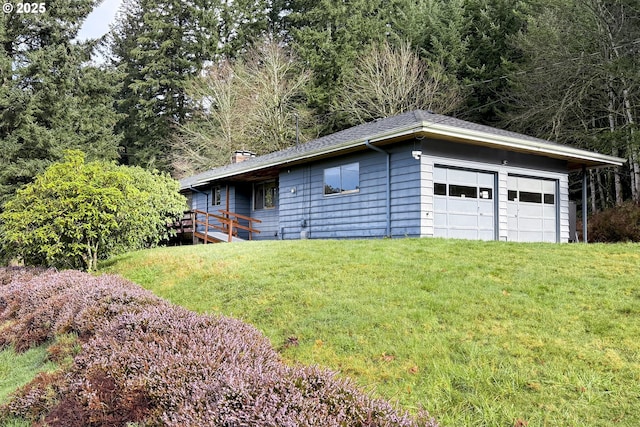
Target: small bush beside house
[146,361]
[77,212]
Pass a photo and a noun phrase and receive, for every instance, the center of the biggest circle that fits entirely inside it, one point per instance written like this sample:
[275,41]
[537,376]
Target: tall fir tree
[156,46]
[490,27]
[328,35]
[50,99]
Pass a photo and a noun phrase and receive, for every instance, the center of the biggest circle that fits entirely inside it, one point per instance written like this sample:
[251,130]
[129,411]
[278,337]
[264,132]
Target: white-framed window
[216,196]
[342,179]
[265,195]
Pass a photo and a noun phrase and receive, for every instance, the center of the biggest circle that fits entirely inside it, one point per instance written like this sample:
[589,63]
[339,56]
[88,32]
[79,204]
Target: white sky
[98,21]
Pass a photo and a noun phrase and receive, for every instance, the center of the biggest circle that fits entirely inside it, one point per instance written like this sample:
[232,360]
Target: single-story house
[418,174]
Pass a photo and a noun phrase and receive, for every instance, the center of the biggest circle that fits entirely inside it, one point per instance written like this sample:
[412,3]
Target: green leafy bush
[146,361]
[77,212]
[618,224]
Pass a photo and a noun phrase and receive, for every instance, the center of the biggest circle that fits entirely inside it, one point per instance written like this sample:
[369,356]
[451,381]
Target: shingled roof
[406,125]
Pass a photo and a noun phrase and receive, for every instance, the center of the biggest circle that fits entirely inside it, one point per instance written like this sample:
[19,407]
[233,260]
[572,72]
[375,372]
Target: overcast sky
[97,23]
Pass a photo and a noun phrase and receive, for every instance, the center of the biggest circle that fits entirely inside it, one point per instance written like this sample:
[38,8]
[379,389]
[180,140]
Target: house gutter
[380,150]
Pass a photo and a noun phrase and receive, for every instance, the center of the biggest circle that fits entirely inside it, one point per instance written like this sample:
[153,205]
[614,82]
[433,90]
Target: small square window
[512,195]
[440,189]
[486,193]
[549,199]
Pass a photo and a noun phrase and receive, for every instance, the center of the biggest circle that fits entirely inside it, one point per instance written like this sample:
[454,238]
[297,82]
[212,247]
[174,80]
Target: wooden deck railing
[226,222]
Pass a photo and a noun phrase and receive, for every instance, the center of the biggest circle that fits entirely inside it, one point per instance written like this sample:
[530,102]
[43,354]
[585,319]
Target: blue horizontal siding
[355,215]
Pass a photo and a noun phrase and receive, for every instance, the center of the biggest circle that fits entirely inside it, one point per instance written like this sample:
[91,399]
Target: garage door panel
[463,220]
[486,222]
[529,210]
[439,174]
[530,224]
[456,204]
[461,176]
[486,180]
[486,207]
[549,187]
[486,235]
[440,221]
[529,236]
[455,233]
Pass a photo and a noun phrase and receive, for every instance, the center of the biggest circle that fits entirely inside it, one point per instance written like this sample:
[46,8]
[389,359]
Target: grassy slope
[17,370]
[479,333]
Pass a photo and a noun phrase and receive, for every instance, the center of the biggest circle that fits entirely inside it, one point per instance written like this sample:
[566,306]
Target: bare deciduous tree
[580,86]
[251,104]
[390,80]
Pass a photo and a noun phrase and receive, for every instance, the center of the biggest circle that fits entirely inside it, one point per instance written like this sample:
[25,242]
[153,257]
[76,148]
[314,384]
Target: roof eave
[564,152]
[573,155]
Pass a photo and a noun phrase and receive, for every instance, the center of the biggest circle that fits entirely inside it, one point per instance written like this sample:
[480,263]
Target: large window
[265,195]
[342,179]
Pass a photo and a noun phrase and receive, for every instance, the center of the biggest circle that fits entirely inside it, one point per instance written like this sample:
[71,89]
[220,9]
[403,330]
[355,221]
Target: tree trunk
[604,24]
[635,174]
[614,149]
[95,258]
[592,187]
[633,165]
[603,195]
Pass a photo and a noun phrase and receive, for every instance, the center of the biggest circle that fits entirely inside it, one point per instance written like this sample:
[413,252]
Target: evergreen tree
[156,46]
[328,35]
[49,100]
[490,27]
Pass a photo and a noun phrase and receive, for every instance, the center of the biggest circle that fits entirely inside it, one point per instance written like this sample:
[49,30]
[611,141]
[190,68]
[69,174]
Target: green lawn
[17,369]
[478,333]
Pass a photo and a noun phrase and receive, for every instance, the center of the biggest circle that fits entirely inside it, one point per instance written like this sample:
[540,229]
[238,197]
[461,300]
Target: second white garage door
[464,205]
[531,209]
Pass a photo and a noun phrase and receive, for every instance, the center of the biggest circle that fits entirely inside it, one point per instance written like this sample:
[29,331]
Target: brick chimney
[241,155]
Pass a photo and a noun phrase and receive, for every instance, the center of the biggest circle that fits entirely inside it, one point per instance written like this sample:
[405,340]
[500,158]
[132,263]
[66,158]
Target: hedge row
[144,360]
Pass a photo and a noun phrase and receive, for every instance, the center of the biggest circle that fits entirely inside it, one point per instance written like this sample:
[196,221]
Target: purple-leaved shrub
[144,360]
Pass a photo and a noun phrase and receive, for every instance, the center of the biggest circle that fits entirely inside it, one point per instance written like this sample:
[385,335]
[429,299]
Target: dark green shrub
[77,212]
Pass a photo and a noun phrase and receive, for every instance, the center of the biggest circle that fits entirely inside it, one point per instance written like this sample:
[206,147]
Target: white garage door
[464,205]
[531,209]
